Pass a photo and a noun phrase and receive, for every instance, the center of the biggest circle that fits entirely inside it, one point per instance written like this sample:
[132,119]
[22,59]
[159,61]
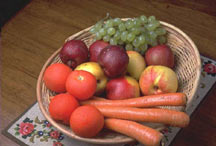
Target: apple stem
[156,87]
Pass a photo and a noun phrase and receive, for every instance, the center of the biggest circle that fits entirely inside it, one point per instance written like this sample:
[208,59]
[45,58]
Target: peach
[158,79]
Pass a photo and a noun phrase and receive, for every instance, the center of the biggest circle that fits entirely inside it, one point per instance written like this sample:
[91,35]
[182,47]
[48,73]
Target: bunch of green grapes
[135,34]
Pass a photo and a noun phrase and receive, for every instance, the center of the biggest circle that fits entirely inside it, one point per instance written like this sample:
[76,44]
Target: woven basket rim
[106,141]
[190,41]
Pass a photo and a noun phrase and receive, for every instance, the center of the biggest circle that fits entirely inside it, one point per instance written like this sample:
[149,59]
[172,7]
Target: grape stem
[105,18]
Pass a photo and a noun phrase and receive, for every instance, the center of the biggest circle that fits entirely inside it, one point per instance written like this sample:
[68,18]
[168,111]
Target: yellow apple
[158,79]
[136,64]
[97,71]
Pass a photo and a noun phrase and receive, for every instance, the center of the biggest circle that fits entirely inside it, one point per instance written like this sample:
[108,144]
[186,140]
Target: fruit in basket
[136,64]
[114,60]
[62,106]
[97,71]
[55,77]
[96,48]
[152,101]
[160,55]
[158,79]
[81,84]
[86,121]
[122,88]
[134,33]
[74,52]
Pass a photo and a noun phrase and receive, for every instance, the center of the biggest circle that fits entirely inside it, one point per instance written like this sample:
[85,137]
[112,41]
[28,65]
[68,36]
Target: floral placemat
[32,129]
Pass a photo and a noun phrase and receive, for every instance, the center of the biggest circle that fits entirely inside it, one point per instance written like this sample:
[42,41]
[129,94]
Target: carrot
[154,115]
[171,99]
[141,133]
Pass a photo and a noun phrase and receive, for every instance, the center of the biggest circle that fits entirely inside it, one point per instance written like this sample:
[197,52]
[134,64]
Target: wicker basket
[187,67]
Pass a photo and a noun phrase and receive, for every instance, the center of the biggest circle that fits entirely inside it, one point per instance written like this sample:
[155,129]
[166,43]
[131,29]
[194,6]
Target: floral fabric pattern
[210,68]
[27,128]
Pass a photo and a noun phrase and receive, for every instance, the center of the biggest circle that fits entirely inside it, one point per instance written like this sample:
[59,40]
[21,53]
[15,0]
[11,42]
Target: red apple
[114,60]
[95,49]
[157,80]
[122,88]
[73,53]
[160,55]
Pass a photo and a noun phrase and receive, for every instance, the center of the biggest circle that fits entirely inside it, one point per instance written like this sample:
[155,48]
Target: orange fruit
[55,77]
[62,106]
[81,84]
[86,121]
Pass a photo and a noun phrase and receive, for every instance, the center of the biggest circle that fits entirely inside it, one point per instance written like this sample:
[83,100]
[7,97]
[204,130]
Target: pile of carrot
[123,116]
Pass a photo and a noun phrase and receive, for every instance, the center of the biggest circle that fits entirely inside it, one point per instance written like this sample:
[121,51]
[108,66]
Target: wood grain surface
[31,36]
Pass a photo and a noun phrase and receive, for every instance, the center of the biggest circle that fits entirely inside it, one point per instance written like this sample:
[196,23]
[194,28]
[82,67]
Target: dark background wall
[9,8]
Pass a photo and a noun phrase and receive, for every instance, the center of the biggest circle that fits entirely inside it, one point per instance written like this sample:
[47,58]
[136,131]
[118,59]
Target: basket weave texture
[187,68]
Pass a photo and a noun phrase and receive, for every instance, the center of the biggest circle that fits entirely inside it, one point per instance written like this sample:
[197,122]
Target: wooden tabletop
[31,36]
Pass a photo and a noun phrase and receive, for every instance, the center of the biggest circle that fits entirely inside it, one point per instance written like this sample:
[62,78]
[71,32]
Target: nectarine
[86,121]
[62,106]
[55,77]
[158,79]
